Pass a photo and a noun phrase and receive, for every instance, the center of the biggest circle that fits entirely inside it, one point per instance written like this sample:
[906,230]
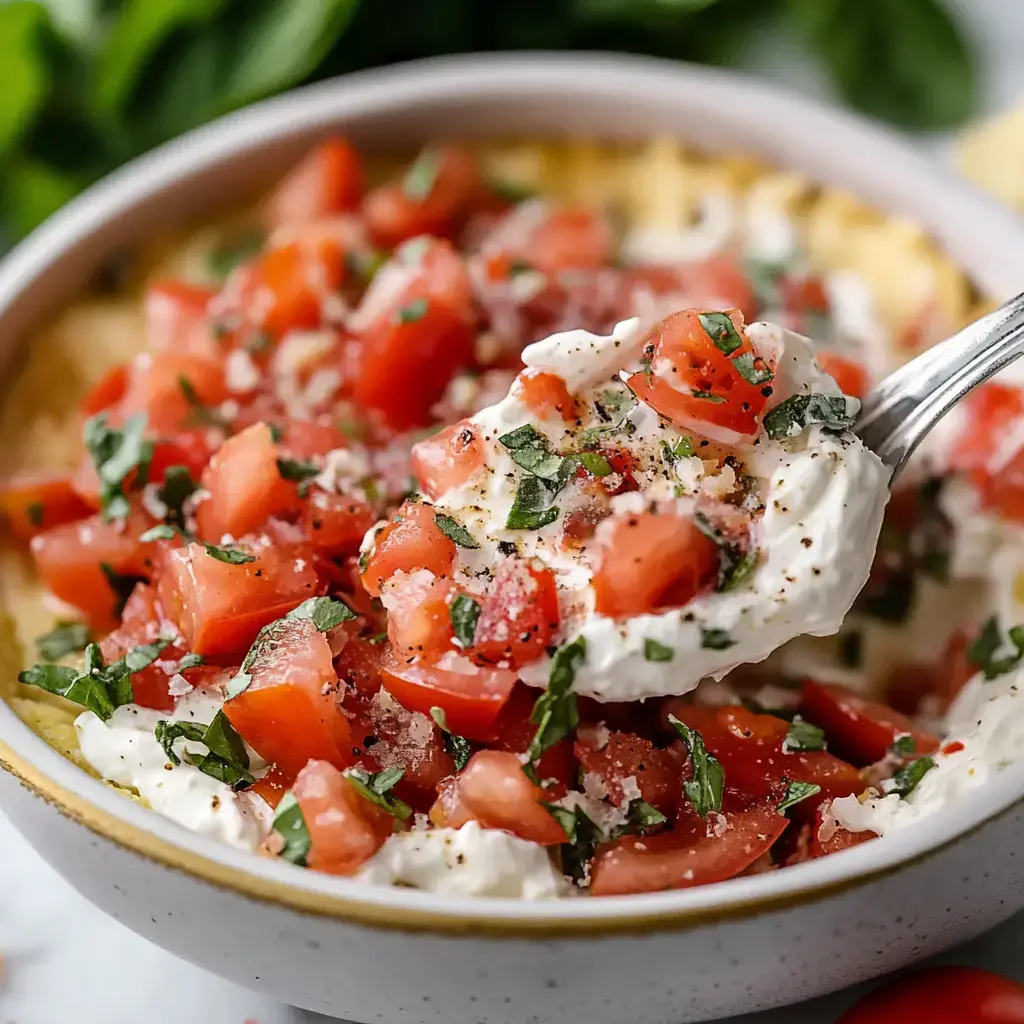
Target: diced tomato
[415,338]
[345,829]
[221,607]
[177,319]
[106,392]
[434,198]
[155,388]
[471,696]
[860,729]
[850,375]
[518,616]
[544,393]
[34,502]
[836,838]
[289,713]
[495,792]
[419,615]
[69,561]
[514,732]
[580,524]
[412,540]
[447,459]
[652,560]
[336,523]
[620,480]
[304,439]
[626,758]
[246,487]
[271,787]
[329,180]
[684,355]
[674,860]
[719,282]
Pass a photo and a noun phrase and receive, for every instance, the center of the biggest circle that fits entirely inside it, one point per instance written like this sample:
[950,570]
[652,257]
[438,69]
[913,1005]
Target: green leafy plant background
[88,84]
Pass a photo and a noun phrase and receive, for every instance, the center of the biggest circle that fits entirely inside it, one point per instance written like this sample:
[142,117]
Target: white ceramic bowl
[401,956]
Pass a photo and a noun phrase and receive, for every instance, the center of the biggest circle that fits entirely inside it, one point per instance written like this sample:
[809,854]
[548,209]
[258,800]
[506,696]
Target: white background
[65,963]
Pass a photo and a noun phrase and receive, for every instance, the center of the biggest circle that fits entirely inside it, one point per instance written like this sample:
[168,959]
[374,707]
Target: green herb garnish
[230,555]
[377,789]
[116,454]
[529,448]
[177,488]
[234,252]
[457,747]
[715,639]
[464,611]
[795,793]
[455,531]
[984,652]
[797,413]
[532,508]
[803,735]
[65,638]
[290,825]
[719,328]
[199,414]
[324,612]
[750,371]
[909,777]
[421,177]
[122,584]
[299,472]
[654,650]
[904,745]
[707,780]
[414,312]
[556,712]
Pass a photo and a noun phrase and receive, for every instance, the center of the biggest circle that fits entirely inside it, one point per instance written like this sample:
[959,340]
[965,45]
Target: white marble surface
[65,962]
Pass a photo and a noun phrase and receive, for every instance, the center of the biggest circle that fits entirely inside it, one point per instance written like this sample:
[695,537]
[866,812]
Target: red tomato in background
[34,502]
[155,388]
[329,180]
[419,615]
[335,524]
[447,459]
[177,318]
[626,756]
[106,392]
[412,540]
[942,995]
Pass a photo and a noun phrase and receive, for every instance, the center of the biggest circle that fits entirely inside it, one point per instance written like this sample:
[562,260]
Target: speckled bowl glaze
[400,956]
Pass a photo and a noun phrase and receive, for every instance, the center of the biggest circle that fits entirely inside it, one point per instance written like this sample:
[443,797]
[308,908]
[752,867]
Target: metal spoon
[896,415]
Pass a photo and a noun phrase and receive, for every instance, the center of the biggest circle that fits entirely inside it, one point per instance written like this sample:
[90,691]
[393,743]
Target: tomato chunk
[652,560]
[69,561]
[344,828]
[519,614]
[635,864]
[289,713]
[447,459]
[336,523]
[419,615]
[860,729]
[699,385]
[106,392]
[412,540]
[550,239]
[719,282]
[329,180]
[514,732]
[177,318]
[545,393]
[246,487]
[220,607]
[155,388]
[34,502]
[627,760]
[850,375]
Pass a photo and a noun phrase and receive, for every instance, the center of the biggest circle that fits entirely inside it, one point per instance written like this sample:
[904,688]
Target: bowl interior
[557,95]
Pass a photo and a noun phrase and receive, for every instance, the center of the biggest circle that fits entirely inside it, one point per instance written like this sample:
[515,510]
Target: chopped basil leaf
[750,371]
[564,817]
[556,712]
[682,449]
[984,653]
[511,191]
[733,566]
[764,278]
[377,789]
[719,328]
[168,732]
[231,774]
[715,639]
[797,792]
[707,780]
[139,658]
[985,645]
[455,531]
[364,264]
[583,836]
[290,825]
[908,778]
[737,571]
[201,415]
[324,612]
[414,312]
[232,556]
[299,472]
[643,816]
[529,448]
[421,177]
[457,747]
[177,488]
[904,745]
[797,413]
[517,267]
[191,660]
[707,396]
[121,584]
[654,650]
[532,508]
[65,638]
[115,454]
[161,532]
[803,735]
[464,612]
[35,511]
[594,464]
[233,252]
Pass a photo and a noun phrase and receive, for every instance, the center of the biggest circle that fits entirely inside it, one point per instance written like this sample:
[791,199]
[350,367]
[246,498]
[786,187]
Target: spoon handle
[896,415]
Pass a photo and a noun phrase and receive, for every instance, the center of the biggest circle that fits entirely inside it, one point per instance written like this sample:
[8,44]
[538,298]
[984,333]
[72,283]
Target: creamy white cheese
[124,750]
[988,720]
[469,861]
[823,496]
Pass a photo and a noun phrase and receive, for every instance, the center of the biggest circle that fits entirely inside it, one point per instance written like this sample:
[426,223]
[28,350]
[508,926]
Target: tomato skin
[681,343]
[345,829]
[518,616]
[412,540]
[304,439]
[68,561]
[860,729]
[419,615]
[106,392]
[942,995]
[154,388]
[219,607]
[544,394]
[328,180]
[289,713]
[246,488]
[34,502]
[850,375]
[679,860]
[627,756]
[177,318]
[652,560]
[447,459]
[495,792]
[335,524]
[719,282]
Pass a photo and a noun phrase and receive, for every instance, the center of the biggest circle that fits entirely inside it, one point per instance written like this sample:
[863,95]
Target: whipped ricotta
[468,861]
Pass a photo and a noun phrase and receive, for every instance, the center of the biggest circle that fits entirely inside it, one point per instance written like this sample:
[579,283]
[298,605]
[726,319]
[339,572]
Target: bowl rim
[918,184]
